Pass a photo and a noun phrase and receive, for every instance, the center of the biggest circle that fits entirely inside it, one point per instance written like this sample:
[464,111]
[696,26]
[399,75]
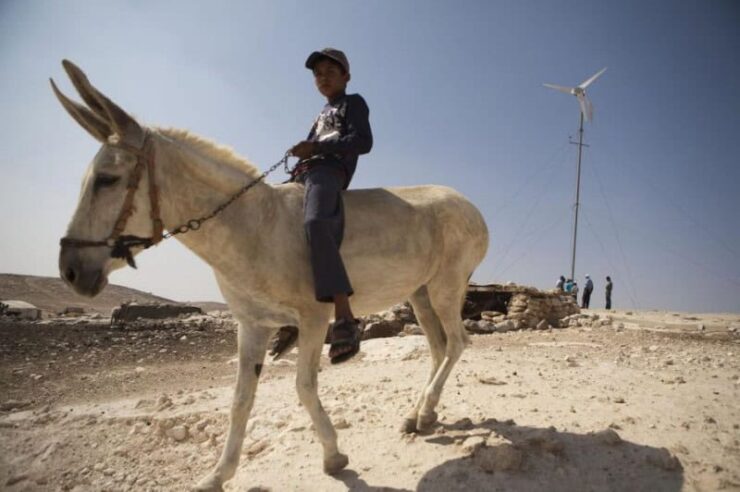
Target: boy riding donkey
[328,158]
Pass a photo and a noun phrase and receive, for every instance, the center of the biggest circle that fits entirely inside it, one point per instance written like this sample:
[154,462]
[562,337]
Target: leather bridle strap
[121,245]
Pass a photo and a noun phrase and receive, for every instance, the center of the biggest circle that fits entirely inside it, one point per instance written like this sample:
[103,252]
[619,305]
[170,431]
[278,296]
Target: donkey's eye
[103,180]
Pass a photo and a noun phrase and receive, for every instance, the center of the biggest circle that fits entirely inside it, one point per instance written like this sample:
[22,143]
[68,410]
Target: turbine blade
[590,81]
[586,107]
[567,90]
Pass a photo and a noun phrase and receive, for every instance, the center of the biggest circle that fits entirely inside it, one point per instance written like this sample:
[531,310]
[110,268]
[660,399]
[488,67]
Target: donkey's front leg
[252,348]
[310,341]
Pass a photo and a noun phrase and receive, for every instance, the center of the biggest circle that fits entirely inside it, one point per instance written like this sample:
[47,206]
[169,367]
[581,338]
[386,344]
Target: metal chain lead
[194,224]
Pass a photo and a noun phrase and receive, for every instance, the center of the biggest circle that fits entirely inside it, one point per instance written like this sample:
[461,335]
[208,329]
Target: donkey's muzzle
[81,274]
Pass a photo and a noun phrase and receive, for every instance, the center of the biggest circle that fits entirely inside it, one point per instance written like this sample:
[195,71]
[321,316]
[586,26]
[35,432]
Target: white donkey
[418,243]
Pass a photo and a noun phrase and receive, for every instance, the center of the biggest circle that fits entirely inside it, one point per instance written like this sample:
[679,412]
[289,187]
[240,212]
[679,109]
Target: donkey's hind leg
[252,347]
[446,296]
[434,331]
[310,341]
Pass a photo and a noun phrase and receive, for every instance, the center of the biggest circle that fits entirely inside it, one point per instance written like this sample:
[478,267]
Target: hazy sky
[456,98]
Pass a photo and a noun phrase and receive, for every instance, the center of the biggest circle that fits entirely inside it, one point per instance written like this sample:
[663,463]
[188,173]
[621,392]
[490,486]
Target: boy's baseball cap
[331,53]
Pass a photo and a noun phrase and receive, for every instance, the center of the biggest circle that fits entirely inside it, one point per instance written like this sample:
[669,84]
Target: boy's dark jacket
[342,133]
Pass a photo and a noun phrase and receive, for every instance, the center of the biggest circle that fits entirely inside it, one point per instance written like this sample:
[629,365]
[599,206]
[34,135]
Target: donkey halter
[121,244]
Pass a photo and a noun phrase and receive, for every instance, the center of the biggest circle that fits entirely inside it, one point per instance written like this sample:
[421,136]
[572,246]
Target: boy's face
[331,80]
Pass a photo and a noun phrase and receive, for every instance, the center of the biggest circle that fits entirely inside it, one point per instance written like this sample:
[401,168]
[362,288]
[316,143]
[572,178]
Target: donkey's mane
[211,150]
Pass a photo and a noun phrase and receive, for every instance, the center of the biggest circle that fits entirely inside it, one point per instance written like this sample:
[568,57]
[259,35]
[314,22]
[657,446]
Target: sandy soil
[653,405]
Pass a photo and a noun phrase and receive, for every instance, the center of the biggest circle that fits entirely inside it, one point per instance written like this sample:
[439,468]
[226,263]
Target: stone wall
[531,308]
[487,309]
[134,311]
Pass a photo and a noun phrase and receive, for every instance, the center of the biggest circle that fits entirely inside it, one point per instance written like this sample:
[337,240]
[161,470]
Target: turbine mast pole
[578,196]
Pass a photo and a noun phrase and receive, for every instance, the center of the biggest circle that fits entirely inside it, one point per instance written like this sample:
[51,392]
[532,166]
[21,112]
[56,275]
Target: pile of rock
[517,308]
[399,319]
[73,311]
[536,309]
[593,320]
[488,309]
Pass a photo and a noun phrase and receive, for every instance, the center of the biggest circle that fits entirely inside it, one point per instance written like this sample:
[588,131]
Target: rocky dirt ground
[649,402]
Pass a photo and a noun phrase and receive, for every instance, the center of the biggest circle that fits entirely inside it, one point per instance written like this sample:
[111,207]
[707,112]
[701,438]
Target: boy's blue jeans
[323,221]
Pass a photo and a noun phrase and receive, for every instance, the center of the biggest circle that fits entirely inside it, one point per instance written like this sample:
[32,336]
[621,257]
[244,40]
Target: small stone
[608,436]
[257,448]
[412,329]
[178,433]
[342,423]
[199,437]
[547,440]
[505,326]
[163,402]
[491,380]
[14,479]
[139,369]
[662,458]
[504,457]
[471,444]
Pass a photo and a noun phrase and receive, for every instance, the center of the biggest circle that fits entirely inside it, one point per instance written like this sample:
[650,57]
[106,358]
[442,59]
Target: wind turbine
[587,109]
[587,113]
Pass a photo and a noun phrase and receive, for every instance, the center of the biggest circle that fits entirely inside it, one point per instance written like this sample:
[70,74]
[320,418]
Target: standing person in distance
[587,292]
[608,292]
[561,284]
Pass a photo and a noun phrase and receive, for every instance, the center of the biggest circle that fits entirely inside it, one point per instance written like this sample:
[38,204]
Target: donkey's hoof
[335,464]
[425,422]
[209,483]
[408,426]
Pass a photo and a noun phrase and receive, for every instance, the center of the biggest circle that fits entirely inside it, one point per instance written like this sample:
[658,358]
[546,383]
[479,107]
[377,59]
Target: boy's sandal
[283,341]
[345,340]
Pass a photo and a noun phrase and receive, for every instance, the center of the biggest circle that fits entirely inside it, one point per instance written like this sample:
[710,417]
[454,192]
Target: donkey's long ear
[96,127]
[124,125]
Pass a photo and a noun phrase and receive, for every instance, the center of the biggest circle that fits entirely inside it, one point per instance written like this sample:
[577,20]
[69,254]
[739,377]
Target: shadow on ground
[550,460]
[354,483]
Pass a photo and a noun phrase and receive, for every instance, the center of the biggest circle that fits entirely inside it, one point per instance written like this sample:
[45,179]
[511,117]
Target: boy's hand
[304,149]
